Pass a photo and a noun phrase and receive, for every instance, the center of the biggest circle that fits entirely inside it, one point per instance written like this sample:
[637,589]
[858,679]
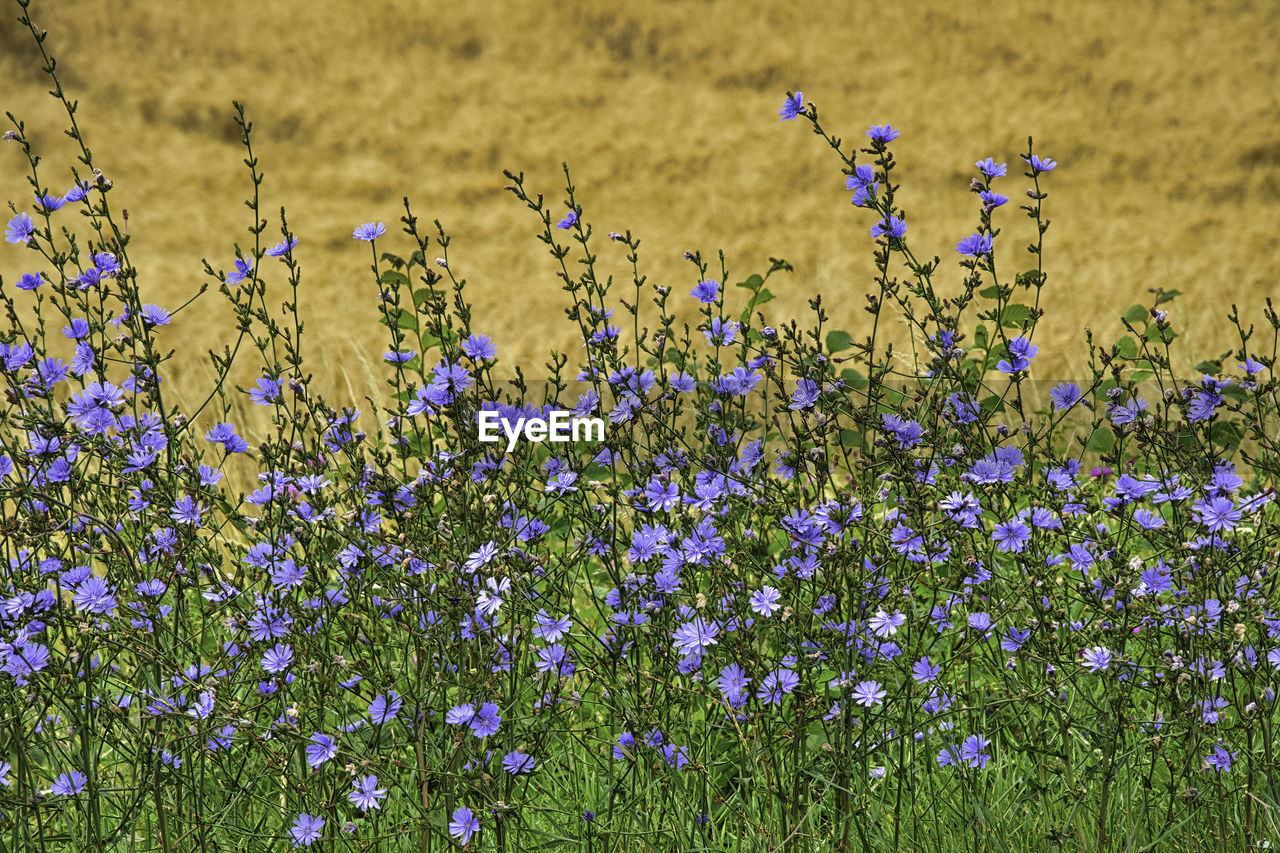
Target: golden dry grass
[1163,116]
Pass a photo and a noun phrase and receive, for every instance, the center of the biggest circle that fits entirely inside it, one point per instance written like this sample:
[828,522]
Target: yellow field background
[1164,117]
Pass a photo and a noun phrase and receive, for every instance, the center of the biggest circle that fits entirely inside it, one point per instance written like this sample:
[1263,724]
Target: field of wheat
[1163,116]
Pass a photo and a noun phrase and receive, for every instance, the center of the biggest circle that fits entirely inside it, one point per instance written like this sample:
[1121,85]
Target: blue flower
[974,245]
[868,693]
[517,762]
[479,347]
[805,395]
[278,659]
[369,231]
[1021,351]
[893,227]
[971,751]
[1011,535]
[883,134]
[321,749]
[237,275]
[154,315]
[384,707]
[991,168]
[30,281]
[1065,395]
[1040,164]
[279,250]
[1096,658]
[69,784]
[306,829]
[20,229]
[792,106]
[706,291]
[463,824]
[570,219]
[367,795]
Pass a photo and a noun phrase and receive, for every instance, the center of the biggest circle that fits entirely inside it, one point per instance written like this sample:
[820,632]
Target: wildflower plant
[807,594]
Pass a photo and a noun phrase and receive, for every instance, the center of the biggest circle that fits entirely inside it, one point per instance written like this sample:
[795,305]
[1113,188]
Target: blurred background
[1163,116]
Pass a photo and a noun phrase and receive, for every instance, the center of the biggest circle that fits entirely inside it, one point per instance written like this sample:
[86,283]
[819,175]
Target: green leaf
[1167,296]
[765,295]
[850,438]
[1128,347]
[1135,314]
[838,341]
[420,296]
[392,278]
[992,292]
[1209,367]
[1229,434]
[1101,441]
[753,282]
[981,338]
[1014,316]
[853,378]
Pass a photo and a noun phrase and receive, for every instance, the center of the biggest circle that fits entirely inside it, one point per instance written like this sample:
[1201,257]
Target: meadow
[862,571]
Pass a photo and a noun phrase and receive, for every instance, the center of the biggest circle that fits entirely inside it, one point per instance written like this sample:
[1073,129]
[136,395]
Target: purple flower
[893,227]
[777,684]
[1217,513]
[306,828]
[486,720]
[766,601]
[321,749]
[278,659]
[694,637]
[384,707]
[242,269]
[883,134]
[868,693]
[974,245]
[1021,351]
[369,231]
[792,106]
[1097,658]
[20,229]
[805,395]
[1065,395]
[924,671]
[279,250]
[1011,535]
[980,622]
[570,219]
[971,751]
[187,511]
[30,281]
[154,315]
[517,762]
[463,825]
[479,347]
[1250,366]
[1219,759]
[991,200]
[991,168]
[267,392]
[1040,164]
[93,595]
[885,625]
[367,795]
[69,784]
[706,291]
[733,683]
